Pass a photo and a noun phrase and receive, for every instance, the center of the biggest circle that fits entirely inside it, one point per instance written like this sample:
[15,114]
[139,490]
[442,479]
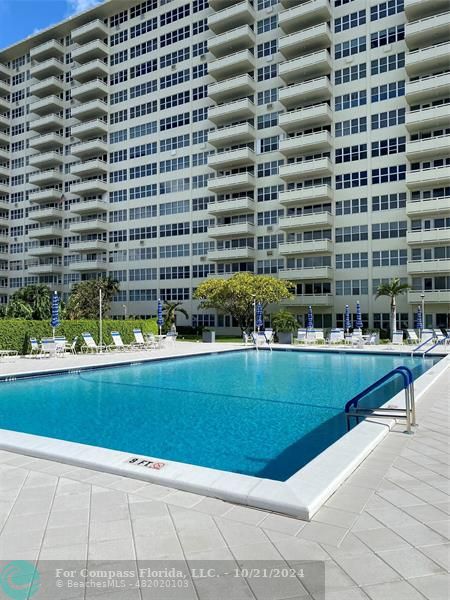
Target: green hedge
[15,334]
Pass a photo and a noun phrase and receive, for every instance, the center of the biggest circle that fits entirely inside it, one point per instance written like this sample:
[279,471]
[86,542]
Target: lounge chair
[140,343]
[60,346]
[269,335]
[71,348]
[336,336]
[356,339]
[36,349]
[320,338]
[118,343]
[372,340]
[397,338]
[412,337]
[90,345]
[301,336]
[49,347]
[171,338]
[311,337]
[428,335]
[259,339]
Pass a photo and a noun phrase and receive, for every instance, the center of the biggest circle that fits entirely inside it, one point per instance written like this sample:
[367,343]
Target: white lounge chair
[141,343]
[427,335]
[397,338]
[320,336]
[336,336]
[412,337]
[36,348]
[311,337]
[118,343]
[356,338]
[301,336]
[171,338]
[90,345]
[49,347]
[372,340]
[71,348]
[269,335]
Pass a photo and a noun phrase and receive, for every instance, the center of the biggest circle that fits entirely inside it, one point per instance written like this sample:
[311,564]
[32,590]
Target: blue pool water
[259,413]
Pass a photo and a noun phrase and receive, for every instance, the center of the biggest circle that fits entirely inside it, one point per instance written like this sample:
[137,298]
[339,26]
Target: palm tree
[169,313]
[392,289]
[83,301]
[30,302]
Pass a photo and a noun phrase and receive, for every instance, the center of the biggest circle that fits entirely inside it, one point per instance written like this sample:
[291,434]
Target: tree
[83,302]
[235,296]
[30,302]
[170,310]
[392,289]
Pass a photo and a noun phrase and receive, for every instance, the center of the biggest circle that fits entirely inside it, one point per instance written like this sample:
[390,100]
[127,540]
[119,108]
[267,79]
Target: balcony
[49,177]
[49,49]
[235,134]
[428,147]
[95,69]
[4,220]
[4,171]
[46,232]
[4,205]
[304,15]
[89,187]
[430,118]
[312,247]
[4,188]
[299,144]
[89,226]
[90,51]
[306,169]
[431,30]
[5,72]
[306,41]
[47,141]
[309,65]
[417,9]
[319,219]
[243,253]
[428,236]
[89,168]
[309,300]
[308,273]
[4,239]
[432,206]
[239,110]
[47,195]
[232,64]
[231,41]
[428,60]
[230,183]
[46,106]
[90,90]
[90,110]
[231,17]
[431,297]
[99,264]
[89,129]
[424,178]
[44,268]
[46,160]
[46,250]
[88,245]
[48,123]
[243,85]
[95,147]
[46,213]
[5,105]
[427,88]
[230,206]
[231,158]
[4,154]
[93,30]
[4,123]
[85,207]
[48,68]
[231,230]
[47,87]
[419,267]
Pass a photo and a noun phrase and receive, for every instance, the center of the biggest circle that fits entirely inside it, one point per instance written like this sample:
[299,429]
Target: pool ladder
[353,411]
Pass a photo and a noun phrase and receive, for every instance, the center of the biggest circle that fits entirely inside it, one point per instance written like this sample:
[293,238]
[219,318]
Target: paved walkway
[383,535]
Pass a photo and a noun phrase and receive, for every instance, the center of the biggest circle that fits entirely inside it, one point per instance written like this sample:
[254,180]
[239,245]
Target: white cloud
[76,6]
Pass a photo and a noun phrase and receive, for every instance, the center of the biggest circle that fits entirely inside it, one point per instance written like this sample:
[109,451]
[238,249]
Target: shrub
[15,334]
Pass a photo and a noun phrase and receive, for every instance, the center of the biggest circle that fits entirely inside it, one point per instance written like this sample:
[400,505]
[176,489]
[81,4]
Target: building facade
[164,142]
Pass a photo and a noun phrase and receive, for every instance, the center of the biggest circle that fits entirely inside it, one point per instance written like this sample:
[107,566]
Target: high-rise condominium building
[162,142]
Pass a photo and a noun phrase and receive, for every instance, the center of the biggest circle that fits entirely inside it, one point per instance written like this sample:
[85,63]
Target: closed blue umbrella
[310,319]
[259,315]
[347,321]
[358,321]
[55,312]
[159,318]
[419,319]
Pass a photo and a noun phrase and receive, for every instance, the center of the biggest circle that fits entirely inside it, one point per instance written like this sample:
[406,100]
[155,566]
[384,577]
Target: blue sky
[21,18]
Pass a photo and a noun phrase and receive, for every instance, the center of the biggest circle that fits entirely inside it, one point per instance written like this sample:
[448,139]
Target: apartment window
[380,11]
[179,141]
[118,136]
[118,236]
[115,216]
[351,207]
[199,5]
[146,67]
[143,150]
[118,38]
[118,196]
[267,72]
[141,9]
[174,208]
[175,57]
[388,174]
[267,169]
[172,186]
[116,176]
[201,226]
[350,127]
[352,73]
[172,229]
[267,48]
[143,191]
[269,217]
[350,153]
[388,118]
[200,137]
[349,21]
[352,287]
[118,57]
[119,18]
[143,233]
[175,100]
[354,260]
[173,37]
[144,129]
[350,180]
[138,254]
[266,4]
[143,48]
[201,203]
[174,121]
[267,24]
[267,120]
[118,117]
[145,27]
[118,156]
[183,272]
[389,258]
[174,294]
[199,92]
[350,47]
[143,109]
[174,79]
[383,231]
[387,36]
[389,201]
[200,114]
[267,96]
[119,77]
[387,63]
[202,248]
[269,193]
[350,100]
[200,181]
[142,274]
[117,97]
[199,26]
[356,233]
[142,89]
[267,242]
[174,251]
[200,159]
[199,71]
[270,266]
[143,171]
[390,146]
[269,144]
[143,212]
[145,295]
[388,90]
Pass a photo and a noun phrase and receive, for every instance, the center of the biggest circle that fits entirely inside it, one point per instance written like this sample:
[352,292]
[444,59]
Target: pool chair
[412,337]
[140,343]
[171,338]
[90,344]
[320,338]
[269,335]
[49,347]
[118,343]
[397,338]
[336,336]
[259,339]
[37,349]
[301,336]
[311,337]
[60,346]
[372,340]
[71,348]
[356,339]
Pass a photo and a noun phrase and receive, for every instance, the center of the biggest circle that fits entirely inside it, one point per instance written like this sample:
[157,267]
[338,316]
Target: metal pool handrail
[387,413]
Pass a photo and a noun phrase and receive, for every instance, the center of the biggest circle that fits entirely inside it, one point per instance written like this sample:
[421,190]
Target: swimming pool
[264,414]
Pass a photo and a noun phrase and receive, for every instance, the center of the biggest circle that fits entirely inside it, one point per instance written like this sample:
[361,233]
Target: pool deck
[383,535]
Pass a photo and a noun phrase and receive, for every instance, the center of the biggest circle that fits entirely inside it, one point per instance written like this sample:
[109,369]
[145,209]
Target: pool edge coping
[301,495]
